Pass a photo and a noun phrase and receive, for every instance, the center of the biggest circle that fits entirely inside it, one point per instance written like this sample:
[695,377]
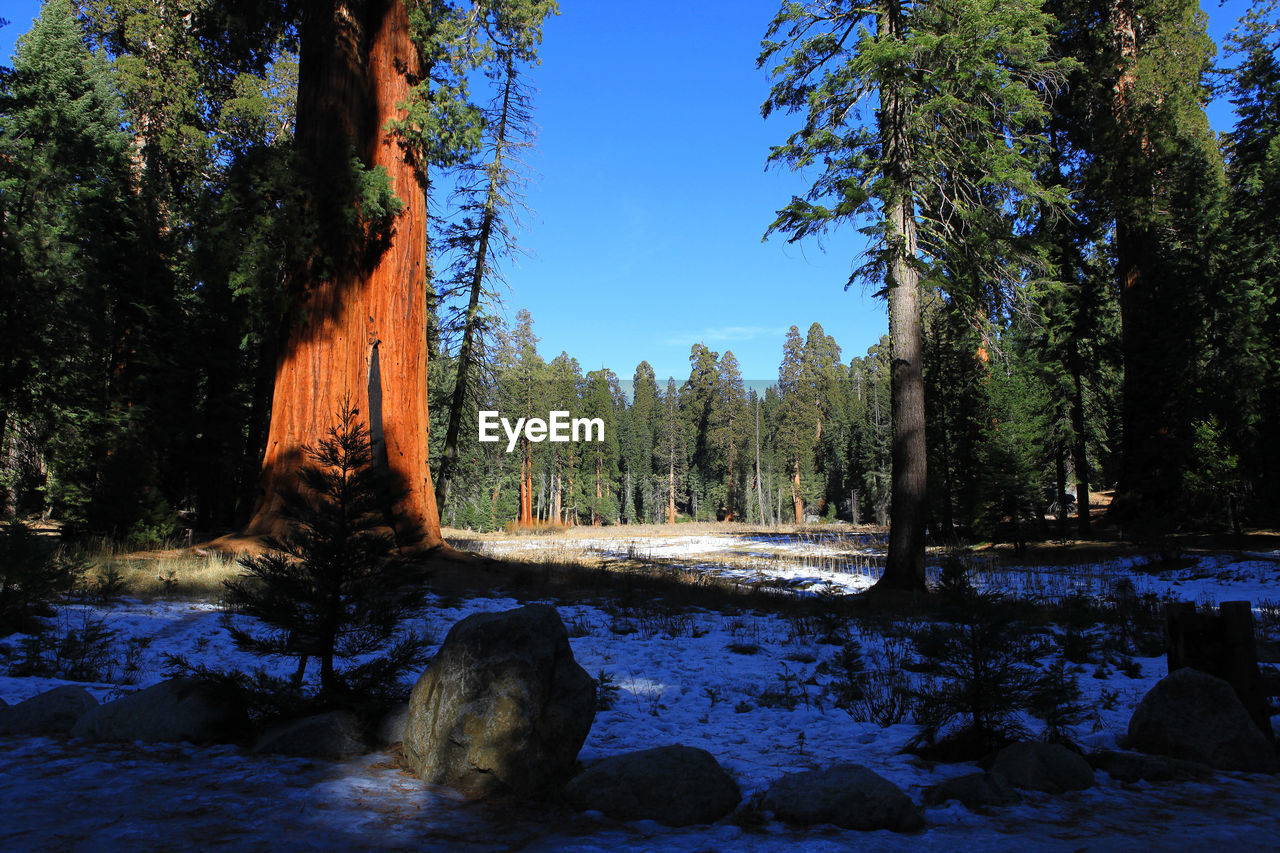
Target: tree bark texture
[797,503]
[904,565]
[358,324]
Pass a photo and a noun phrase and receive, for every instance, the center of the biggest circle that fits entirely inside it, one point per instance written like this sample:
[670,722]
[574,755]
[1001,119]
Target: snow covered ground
[761,709]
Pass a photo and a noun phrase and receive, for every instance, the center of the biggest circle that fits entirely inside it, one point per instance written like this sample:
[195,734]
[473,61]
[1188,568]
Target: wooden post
[1221,644]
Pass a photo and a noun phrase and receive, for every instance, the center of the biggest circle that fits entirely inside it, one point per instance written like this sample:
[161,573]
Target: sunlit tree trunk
[526,487]
[358,325]
[797,503]
[671,493]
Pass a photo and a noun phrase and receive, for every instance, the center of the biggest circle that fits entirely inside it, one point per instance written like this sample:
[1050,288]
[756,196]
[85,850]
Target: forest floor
[719,637]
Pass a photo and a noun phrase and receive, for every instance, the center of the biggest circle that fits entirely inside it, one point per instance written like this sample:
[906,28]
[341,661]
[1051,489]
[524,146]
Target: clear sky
[651,196]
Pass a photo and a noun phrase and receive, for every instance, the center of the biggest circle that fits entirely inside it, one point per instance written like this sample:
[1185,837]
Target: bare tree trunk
[904,565]
[1149,474]
[671,492]
[358,333]
[557,510]
[595,510]
[1080,452]
[526,487]
[759,482]
[797,503]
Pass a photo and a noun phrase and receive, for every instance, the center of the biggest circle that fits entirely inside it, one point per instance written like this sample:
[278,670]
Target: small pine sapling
[1056,700]
[980,676]
[31,577]
[337,586]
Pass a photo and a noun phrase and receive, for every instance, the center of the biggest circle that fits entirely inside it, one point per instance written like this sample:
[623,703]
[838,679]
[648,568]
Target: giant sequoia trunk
[358,329]
[904,565]
[1158,302]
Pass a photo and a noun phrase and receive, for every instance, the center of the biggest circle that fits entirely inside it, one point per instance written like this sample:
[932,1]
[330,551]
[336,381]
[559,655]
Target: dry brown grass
[176,572]
[641,531]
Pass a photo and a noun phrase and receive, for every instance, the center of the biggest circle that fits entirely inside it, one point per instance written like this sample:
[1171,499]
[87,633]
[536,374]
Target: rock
[675,785]
[174,710]
[391,730]
[335,735]
[847,795]
[502,707]
[1133,767]
[53,712]
[974,790]
[1047,767]
[1192,715]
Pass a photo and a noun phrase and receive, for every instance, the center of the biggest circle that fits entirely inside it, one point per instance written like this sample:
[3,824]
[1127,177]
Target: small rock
[974,790]
[334,735]
[675,785]
[847,795]
[1194,716]
[1047,767]
[1134,767]
[391,730]
[174,710]
[53,712]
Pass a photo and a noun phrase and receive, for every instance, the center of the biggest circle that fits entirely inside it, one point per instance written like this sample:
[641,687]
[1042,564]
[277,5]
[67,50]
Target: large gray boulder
[503,706]
[847,795]
[1047,767]
[675,785]
[974,790]
[53,712]
[1192,715]
[335,735]
[174,710]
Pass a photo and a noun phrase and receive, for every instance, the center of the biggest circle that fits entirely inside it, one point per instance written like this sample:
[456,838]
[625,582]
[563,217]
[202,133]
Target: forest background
[149,201]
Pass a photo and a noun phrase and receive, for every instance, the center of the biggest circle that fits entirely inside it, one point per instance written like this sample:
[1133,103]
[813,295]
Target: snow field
[680,677]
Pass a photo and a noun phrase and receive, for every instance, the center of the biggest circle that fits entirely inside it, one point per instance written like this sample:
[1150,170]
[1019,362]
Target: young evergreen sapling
[338,586]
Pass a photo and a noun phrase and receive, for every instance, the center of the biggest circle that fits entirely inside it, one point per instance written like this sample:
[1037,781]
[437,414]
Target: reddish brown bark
[526,488]
[358,328]
[671,493]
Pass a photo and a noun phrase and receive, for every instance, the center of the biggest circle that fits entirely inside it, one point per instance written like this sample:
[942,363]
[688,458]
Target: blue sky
[651,196]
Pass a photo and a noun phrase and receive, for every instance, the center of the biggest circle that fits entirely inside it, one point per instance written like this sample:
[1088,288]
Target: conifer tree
[799,419]
[670,452]
[602,398]
[728,431]
[958,90]
[1162,178]
[641,437]
[68,216]
[1247,344]
[483,233]
[336,586]
[523,394]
